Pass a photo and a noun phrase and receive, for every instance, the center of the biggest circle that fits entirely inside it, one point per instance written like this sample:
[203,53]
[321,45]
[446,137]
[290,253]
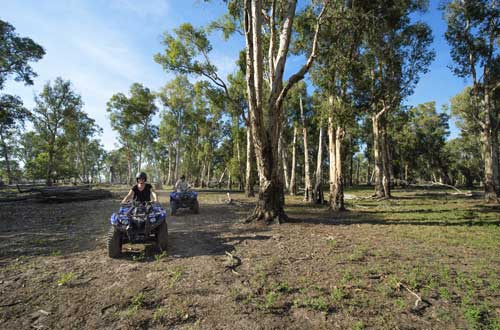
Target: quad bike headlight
[124,220]
[152,218]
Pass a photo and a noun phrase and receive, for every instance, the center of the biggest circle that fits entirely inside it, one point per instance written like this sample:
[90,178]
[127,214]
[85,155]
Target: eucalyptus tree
[396,52]
[15,55]
[30,147]
[432,130]
[53,107]
[122,122]
[177,97]
[187,52]
[117,168]
[80,131]
[466,162]
[16,52]
[132,118]
[266,108]
[466,149]
[335,74]
[12,117]
[299,110]
[473,32]
[317,193]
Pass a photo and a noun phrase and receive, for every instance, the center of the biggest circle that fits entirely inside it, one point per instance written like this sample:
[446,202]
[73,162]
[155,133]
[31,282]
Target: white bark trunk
[307,172]
[293,185]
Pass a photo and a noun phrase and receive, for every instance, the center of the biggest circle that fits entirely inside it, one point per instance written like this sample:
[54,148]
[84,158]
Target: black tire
[162,236]
[114,243]
[173,208]
[196,207]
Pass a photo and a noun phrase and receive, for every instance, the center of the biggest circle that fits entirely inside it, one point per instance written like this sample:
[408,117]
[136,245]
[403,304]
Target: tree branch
[301,73]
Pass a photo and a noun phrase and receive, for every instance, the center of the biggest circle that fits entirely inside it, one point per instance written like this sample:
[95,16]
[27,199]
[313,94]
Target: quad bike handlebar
[136,203]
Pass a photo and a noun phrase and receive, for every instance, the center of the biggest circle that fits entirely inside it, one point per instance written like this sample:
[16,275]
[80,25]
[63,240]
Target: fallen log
[71,195]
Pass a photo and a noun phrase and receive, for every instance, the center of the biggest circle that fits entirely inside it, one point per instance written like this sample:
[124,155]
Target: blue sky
[103,46]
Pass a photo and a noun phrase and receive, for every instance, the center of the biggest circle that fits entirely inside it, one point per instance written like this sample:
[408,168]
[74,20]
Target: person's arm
[129,195]
[155,197]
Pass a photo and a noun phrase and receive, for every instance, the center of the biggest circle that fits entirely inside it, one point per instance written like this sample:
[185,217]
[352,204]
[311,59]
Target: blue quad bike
[137,222]
[187,200]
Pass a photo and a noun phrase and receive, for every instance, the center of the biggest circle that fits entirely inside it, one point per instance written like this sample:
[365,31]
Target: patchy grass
[425,259]
[66,278]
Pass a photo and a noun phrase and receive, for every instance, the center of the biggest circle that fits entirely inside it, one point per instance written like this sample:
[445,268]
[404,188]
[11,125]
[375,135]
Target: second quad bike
[137,222]
[186,199]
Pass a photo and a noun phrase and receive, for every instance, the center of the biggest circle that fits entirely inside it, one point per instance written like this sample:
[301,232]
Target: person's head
[141,177]
[183,177]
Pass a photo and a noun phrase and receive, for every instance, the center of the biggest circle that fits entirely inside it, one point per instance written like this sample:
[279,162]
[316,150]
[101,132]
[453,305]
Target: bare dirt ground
[409,263]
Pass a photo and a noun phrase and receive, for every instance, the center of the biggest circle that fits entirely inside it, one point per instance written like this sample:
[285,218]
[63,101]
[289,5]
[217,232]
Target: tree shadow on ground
[62,229]
[344,222]
[351,217]
[30,228]
[487,208]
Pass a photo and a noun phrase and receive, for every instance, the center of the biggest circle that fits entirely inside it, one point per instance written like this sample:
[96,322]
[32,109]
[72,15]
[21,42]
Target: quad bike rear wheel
[114,242]
[162,236]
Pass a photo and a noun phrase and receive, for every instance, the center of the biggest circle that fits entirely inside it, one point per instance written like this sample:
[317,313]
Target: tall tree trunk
[490,154]
[266,118]
[177,160]
[335,139]
[129,164]
[5,152]
[209,173]
[318,184]
[307,172]
[386,162]
[139,162]
[50,165]
[240,168]
[284,161]
[331,156]
[170,163]
[293,184]
[351,166]
[377,157]
[249,181]
[358,166]
[202,175]
[368,173]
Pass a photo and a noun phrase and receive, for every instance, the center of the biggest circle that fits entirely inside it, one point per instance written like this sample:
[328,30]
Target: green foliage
[161,256]
[66,278]
[419,137]
[131,117]
[186,52]
[136,303]
[64,133]
[175,275]
[16,53]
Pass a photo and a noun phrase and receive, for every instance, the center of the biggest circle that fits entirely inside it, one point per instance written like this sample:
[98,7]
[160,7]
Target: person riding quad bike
[142,191]
[140,221]
[182,197]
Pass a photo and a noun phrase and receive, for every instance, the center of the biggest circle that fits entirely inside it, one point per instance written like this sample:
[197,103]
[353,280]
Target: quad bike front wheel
[173,208]
[196,207]
[162,236]
[114,243]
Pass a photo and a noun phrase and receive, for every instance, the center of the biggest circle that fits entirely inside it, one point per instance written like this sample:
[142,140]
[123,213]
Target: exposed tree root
[267,217]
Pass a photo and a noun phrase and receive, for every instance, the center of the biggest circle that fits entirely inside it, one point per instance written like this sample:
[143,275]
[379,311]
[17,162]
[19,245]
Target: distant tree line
[254,129]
